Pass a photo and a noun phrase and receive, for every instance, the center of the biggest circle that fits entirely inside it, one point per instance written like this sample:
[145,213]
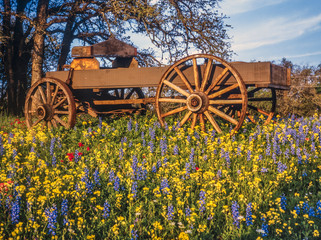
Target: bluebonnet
[202,200]
[15,209]
[286,153]
[248,216]
[14,153]
[248,155]
[136,127]
[165,161]
[54,160]
[176,150]
[64,210]
[159,164]
[238,153]
[106,210]
[143,138]
[152,133]
[121,153]
[117,184]
[97,177]
[170,212]
[281,167]
[283,202]
[188,211]
[134,234]
[227,158]
[154,169]
[1,147]
[219,173]
[235,214]
[188,138]
[264,170]
[151,146]
[100,124]
[163,146]
[205,140]
[129,125]
[51,214]
[10,137]
[111,176]
[164,186]
[297,209]
[305,207]
[52,146]
[134,189]
[265,228]
[311,212]
[89,184]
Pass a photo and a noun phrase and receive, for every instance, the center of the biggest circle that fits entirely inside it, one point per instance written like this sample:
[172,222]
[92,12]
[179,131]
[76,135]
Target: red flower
[197,168]
[80,144]
[80,154]
[88,148]
[70,156]
[61,160]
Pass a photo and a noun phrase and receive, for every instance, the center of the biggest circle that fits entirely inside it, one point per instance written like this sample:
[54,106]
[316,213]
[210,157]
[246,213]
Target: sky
[268,30]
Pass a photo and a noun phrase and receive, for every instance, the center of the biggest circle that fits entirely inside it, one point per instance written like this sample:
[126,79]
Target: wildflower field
[128,178]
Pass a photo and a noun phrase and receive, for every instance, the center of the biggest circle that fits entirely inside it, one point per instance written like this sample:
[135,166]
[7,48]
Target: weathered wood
[124,101]
[259,74]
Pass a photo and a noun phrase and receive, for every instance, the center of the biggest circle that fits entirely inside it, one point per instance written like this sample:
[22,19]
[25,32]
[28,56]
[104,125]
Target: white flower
[260,231]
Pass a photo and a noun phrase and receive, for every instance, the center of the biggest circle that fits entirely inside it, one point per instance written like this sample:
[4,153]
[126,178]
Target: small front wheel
[50,102]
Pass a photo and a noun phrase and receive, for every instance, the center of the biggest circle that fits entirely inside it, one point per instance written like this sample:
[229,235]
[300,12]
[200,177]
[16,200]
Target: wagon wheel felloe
[50,102]
[261,104]
[201,87]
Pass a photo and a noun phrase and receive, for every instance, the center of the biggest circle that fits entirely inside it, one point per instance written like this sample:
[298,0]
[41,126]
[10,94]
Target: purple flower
[235,214]
[170,212]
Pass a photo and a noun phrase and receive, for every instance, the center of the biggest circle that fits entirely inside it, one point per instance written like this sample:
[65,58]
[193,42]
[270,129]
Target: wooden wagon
[196,89]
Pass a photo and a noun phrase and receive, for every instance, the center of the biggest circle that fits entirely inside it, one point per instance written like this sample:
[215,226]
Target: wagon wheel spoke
[222,115]
[202,122]
[196,75]
[36,122]
[206,74]
[60,121]
[172,112]
[226,101]
[186,117]
[194,120]
[42,94]
[177,88]
[48,91]
[61,112]
[172,100]
[60,102]
[183,78]
[217,80]
[259,110]
[213,122]
[49,124]
[225,90]
[36,100]
[54,123]
[54,95]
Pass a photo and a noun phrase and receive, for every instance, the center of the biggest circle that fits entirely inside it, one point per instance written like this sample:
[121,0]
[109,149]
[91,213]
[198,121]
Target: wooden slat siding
[260,74]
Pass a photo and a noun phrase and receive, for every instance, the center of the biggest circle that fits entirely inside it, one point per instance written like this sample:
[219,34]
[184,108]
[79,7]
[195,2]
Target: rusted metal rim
[200,96]
[50,102]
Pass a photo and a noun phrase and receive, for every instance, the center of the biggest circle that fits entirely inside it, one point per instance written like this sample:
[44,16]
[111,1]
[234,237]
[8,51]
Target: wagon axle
[197,102]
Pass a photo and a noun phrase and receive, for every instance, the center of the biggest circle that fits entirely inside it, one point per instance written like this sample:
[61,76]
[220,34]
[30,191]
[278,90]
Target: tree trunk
[66,42]
[39,38]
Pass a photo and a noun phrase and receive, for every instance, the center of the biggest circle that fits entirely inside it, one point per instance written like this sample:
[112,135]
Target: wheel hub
[197,102]
[45,112]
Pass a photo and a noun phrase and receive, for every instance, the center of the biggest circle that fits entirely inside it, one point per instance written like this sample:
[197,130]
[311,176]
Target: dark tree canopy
[37,35]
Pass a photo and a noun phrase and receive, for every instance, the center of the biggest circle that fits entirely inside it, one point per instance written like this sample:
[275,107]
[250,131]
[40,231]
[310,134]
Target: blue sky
[267,30]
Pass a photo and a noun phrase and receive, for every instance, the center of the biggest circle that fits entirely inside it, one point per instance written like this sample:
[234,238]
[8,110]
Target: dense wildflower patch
[128,178]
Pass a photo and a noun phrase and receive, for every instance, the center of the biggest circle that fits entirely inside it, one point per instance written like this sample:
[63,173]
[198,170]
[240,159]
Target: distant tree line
[37,35]
[304,96]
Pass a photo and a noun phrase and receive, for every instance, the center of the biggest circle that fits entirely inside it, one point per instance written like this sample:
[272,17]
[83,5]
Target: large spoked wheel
[50,102]
[261,104]
[201,87]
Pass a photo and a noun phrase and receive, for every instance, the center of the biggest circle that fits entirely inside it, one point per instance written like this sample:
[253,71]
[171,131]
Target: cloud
[273,31]
[232,7]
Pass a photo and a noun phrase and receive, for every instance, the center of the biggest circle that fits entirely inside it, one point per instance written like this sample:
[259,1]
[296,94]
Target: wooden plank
[263,74]
[124,101]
